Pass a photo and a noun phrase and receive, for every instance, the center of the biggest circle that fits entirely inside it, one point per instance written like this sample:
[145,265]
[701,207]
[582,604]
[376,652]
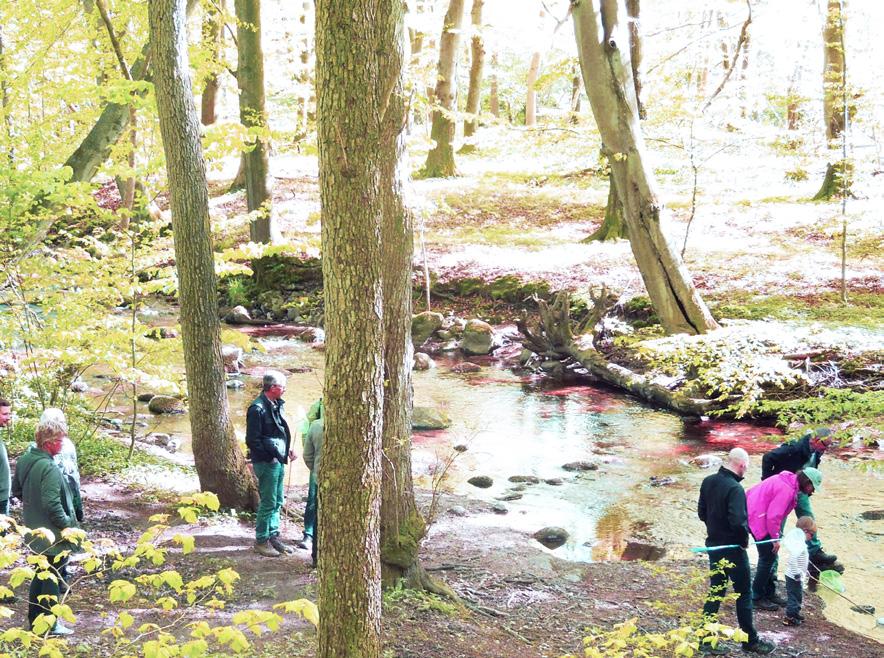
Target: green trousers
[803,509]
[271,492]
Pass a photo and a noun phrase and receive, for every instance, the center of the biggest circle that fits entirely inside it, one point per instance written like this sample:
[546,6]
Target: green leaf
[121,590]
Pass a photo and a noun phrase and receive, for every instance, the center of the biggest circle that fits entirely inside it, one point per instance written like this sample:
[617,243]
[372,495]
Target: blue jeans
[271,492]
[764,584]
[738,574]
[795,596]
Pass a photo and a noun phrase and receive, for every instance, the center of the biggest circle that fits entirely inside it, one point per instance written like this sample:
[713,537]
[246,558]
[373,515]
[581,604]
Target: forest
[539,266]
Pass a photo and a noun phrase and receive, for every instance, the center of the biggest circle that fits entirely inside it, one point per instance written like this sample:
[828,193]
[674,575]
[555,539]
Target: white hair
[272,378]
[52,424]
[737,456]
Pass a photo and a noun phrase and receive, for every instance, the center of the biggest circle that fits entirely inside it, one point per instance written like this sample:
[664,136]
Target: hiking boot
[789,620]
[823,559]
[306,543]
[777,598]
[759,646]
[764,604]
[276,542]
[264,548]
[61,629]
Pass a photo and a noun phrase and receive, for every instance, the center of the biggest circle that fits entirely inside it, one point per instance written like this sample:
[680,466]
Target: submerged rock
[873,515]
[165,404]
[551,536]
[510,496]
[581,466]
[466,367]
[480,481]
[429,418]
[499,508]
[706,461]
[478,337]
[556,482]
[527,479]
[423,361]
[457,510]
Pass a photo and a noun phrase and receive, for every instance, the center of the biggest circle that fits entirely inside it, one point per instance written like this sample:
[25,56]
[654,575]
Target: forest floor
[523,601]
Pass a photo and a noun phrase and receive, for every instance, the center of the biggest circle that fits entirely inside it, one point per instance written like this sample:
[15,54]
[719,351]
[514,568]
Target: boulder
[429,418]
[423,325]
[235,384]
[873,515]
[457,510]
[165,404]
[580,466]
[423,361]
[556,482]
[480,481]
[465,367]
[444,334]
[510,496]
[551,536]
[238,315]
[145,397]
[478,337]
[527,479]
[499,508]
[231,355]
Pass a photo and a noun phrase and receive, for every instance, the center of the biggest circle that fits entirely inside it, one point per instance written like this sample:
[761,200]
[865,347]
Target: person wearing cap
[792,456]
[769,503]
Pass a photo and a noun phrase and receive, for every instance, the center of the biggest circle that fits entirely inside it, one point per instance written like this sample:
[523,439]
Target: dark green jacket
[267,434]
[46,499]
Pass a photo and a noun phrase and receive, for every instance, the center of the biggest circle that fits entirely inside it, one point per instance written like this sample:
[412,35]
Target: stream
[506,424]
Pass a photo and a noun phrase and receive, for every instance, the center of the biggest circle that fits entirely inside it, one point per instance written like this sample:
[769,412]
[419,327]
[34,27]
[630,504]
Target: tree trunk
[477,63]
[607,78]
[633,8]
[220,463]
[305,67]
[493,92]
[613,226]
[531,98]
[213,38]
[5,105]
[250,79]
[355,89]
[575,95]
[440,159]
[833,71]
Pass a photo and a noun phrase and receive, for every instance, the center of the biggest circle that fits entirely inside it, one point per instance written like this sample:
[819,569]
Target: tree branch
[741,41]
[113,39]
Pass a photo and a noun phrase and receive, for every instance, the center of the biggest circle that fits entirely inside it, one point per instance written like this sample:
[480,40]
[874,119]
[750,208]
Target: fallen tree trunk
[554,335]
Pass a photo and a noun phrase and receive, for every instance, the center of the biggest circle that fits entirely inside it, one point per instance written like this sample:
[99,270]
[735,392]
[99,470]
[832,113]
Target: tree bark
[833,71]
[355,89]
[477,63]
[220,463]
[531,98]
[440,159]
[250,79]
[493,92]
[607,77]
[575,95]
[613,226]
[213,38]
[633,9]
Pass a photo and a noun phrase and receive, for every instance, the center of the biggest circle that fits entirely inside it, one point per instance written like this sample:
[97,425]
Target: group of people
[47,481]
[269,444]
[789,477]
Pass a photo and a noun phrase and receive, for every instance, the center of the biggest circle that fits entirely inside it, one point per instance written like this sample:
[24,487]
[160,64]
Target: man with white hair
[722,507]
[268,440]
[52,420]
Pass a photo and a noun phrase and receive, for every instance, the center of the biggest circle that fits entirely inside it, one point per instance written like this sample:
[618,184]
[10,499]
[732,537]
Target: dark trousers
[58,566]
[764,584]
[794,595]
[738,574]
[310,508]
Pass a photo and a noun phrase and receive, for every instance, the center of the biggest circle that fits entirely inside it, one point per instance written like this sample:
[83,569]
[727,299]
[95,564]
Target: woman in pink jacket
[769,503]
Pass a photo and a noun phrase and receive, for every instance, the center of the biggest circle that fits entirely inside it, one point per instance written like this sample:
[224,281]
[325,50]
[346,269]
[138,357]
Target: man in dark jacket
[722,507]
[794,456]
[268,440]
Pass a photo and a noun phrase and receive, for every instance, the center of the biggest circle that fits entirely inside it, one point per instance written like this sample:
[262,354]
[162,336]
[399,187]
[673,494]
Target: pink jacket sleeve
[781,504]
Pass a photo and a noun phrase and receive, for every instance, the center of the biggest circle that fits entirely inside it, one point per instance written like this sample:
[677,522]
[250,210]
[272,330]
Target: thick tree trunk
[250,79]
[477,63]
[213,38]
[440,159]
[602,44]
[833,71]
[354,91]
[220,463]
[633,9]
[531,98]
[613,226]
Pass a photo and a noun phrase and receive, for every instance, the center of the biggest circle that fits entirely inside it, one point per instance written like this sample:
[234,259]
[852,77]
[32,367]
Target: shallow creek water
[524,426]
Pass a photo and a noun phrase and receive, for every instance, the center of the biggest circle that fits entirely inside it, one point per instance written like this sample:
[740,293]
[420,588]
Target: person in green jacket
[46,503]
[314,413]
[312,457]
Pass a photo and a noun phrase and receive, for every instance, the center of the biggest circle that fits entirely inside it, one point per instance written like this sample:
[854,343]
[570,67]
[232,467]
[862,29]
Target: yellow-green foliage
[179,600]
